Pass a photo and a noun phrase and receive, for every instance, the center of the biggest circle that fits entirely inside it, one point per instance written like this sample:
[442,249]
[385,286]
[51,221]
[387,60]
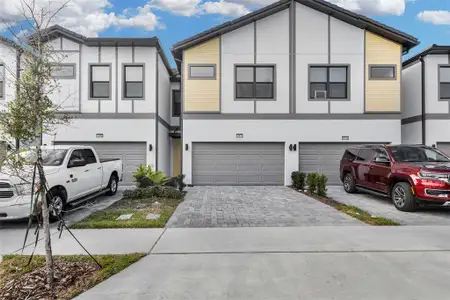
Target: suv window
[364,155]
[89,156]
[350,154]
[380,153]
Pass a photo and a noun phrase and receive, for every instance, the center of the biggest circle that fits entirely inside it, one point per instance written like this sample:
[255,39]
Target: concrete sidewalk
[289,263]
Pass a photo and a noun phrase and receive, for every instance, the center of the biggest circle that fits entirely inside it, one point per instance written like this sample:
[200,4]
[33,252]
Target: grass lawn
[354,212]
[140,208]
[74,274]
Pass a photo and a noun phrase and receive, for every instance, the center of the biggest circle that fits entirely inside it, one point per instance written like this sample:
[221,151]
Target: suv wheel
[403,198]
[349,183]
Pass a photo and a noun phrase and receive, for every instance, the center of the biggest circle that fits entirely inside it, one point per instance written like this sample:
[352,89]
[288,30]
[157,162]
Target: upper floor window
[202,71]
[444,82]
[176,103]
[134,81]
[100,81]
[255,82]
[2,81]
[382,72]
[328,82]
[64,71]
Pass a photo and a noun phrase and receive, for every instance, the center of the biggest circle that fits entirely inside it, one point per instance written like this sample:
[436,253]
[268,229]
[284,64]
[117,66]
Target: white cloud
[225,9]
[87,17]
[436,17]
[185,8]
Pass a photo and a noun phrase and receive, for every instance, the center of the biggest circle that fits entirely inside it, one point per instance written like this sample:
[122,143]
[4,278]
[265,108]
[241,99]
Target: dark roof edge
[9,42]
[408,41]
[433,49]
[57,30]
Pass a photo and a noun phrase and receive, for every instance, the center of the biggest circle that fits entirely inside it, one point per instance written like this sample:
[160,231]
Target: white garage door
[324,158]
[131,154]
[238,164]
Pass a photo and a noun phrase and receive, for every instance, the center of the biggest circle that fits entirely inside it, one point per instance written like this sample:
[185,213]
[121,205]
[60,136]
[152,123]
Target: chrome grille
[6,194]
[4,185]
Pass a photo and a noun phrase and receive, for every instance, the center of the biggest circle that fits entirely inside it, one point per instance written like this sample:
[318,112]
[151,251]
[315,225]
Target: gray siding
[238,163]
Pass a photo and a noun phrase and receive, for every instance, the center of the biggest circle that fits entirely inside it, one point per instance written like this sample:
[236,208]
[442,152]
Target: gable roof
[56,31]
[433,49]
[363,22]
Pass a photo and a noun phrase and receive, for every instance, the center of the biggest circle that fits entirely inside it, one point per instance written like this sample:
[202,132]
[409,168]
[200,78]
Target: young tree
[31,113]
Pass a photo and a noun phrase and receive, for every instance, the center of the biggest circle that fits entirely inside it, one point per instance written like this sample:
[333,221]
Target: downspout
[422,61]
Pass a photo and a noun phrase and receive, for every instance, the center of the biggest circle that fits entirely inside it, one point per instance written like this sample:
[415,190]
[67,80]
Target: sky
[174,20]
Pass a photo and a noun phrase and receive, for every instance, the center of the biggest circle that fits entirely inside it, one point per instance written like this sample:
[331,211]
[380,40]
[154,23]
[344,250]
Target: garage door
[131,154]
[444,147]
[323,158]
[238,164]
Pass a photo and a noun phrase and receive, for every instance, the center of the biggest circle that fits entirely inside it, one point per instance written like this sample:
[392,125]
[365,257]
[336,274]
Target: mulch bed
[32,285]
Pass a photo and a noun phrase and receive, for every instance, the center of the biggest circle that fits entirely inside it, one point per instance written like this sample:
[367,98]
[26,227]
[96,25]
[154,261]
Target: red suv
[411,175]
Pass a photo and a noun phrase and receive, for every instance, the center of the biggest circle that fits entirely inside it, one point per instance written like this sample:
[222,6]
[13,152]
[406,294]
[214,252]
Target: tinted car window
[350,154]
[418,154]
[364,155]
[76,155]
[379,153]
[89,156]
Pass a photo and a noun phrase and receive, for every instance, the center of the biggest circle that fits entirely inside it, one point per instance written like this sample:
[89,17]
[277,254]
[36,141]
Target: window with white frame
[2,81]
[444,82]
[255,82]
[63,71]
[100,82]
[133,81]
[382,72]
[328,82]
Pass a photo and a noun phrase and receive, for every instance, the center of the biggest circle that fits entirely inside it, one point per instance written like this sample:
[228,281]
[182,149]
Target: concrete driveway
[258,206]
[383,207]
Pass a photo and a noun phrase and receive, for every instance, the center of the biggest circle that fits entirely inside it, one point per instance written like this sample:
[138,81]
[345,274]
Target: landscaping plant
[311,181]
[180,182]
[145,176]
[153,192]
[298,180]
[322,181]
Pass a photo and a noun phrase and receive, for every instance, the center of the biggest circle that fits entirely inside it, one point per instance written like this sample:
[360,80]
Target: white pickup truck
[74,173]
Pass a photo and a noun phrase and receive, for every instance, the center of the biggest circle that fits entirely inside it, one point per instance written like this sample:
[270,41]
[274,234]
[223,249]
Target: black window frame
[125,66]
[440,82]
[86,157]
[213,66]
[328,83]
[371,67]
[92,82]
[175,105]
[74,71]
[254,83]
[71,154]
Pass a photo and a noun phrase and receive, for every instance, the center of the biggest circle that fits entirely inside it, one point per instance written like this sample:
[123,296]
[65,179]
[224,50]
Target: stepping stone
[125,217]
[153,216]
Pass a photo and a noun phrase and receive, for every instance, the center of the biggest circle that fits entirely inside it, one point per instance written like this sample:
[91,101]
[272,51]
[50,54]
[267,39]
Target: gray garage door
[444,147]
[238,164]
[323,158]
[131,154]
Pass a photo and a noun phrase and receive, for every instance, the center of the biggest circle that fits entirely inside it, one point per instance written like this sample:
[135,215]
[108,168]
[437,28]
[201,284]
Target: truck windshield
[50,157]
[418,154]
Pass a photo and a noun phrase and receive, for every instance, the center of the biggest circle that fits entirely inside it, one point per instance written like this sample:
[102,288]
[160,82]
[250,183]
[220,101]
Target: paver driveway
[238,206]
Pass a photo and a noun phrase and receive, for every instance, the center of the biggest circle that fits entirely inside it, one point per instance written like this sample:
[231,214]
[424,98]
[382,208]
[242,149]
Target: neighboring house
[287,88]
[426,98]
[118,93]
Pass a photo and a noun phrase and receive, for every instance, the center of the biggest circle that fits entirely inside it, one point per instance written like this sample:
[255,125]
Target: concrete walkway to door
[258,206]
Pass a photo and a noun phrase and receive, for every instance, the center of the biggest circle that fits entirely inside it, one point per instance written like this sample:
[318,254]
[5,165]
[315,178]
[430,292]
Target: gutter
[422,61]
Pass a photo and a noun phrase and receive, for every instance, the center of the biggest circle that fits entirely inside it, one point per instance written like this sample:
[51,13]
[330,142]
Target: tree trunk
[45,222]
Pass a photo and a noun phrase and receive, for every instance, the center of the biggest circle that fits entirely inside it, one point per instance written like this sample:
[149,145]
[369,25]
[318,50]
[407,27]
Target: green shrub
[180,182]
[153,191]
[298,180]
[322,181]
[146,176]
[311,181]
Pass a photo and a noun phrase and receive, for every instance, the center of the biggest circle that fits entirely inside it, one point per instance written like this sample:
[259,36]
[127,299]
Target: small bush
[153,191]
[322,181]
[298,180]
[311,181]
[180,182]
[145,176]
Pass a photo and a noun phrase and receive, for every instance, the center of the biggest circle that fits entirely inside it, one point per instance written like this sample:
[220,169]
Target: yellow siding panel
[382,95]
[176,157]
[202,95]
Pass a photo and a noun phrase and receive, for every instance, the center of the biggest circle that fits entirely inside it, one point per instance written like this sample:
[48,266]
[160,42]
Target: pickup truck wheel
[403,198]
[112,186]
[349,183]
[56,205]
